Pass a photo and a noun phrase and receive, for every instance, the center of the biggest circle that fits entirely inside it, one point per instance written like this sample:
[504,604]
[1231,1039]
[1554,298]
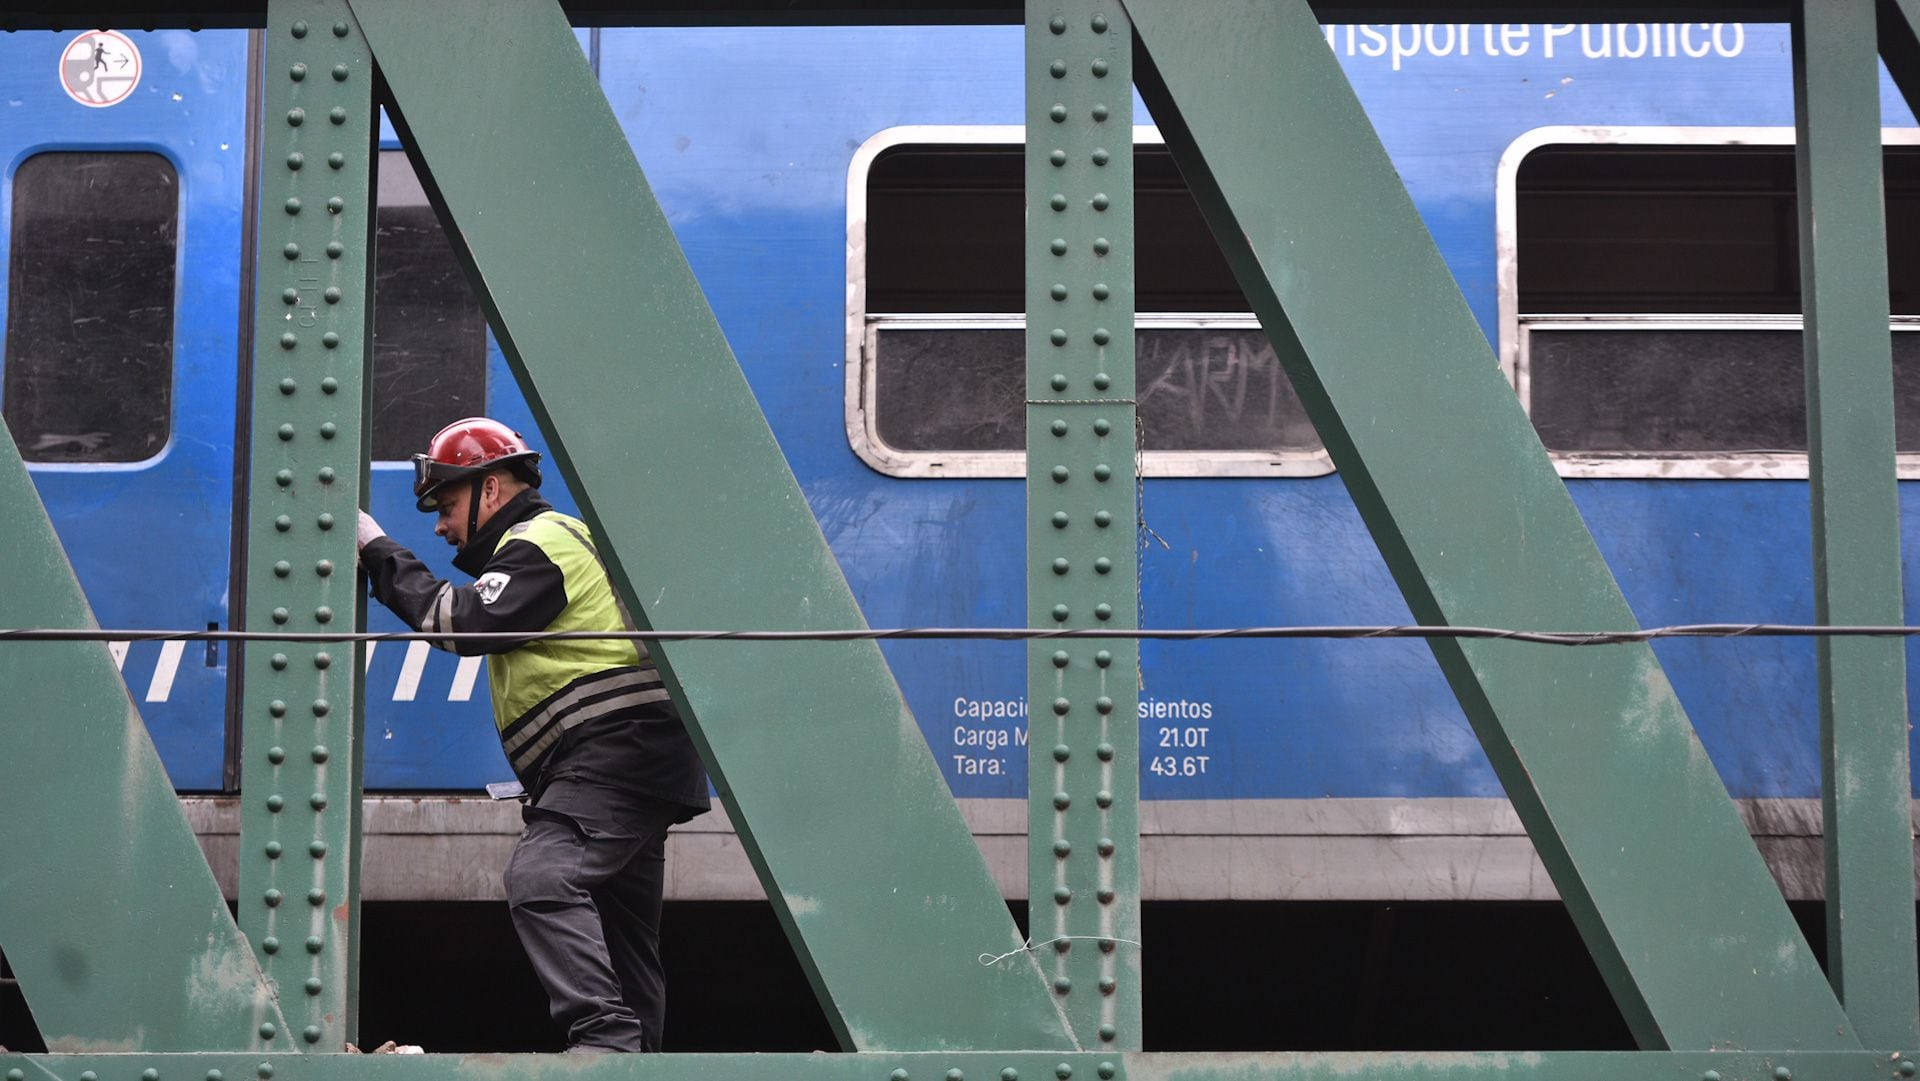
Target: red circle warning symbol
[100,68]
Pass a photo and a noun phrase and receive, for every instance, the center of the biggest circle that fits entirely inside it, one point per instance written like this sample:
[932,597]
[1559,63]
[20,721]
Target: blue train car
[1615,201]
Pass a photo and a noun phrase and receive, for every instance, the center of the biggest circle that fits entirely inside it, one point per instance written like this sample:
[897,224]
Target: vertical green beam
[299,895]
[1592,746]
[1083,758]
[109,914]
[828,779]
[1866,791]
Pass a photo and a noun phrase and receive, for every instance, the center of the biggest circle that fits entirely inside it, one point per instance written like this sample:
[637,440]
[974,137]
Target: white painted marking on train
[162,685]
[371,646]
[118,651]
[410,670]
[463,678]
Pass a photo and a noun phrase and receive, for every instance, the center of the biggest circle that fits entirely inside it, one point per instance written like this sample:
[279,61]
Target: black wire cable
[1004,634]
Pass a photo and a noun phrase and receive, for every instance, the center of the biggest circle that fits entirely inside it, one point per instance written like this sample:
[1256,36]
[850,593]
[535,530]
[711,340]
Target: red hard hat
[466,449]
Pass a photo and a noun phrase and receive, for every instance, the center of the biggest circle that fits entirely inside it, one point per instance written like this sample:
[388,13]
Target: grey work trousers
[584,890]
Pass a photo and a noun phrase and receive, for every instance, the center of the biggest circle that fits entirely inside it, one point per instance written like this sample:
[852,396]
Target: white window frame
[862,330]
[1516,328]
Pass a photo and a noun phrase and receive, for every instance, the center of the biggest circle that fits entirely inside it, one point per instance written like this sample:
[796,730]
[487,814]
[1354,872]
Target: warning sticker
[100,68]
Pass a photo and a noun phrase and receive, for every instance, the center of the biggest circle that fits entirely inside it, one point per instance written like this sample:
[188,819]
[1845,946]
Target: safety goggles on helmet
[430,476]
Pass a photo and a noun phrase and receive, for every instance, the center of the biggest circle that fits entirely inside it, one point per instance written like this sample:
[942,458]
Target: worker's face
[451,508]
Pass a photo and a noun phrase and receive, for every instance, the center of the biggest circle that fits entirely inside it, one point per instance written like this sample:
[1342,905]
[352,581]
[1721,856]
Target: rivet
[1058,158]
[273,850]
[1102,426]
[316,897]
[288,386]
[215,1075]
[1058,25]
[311,1034]
[1058,427]
[265,1069]
[1058,292]
[291,251]
[1061,848]
[289,340]
[1104,752]
[1057,336]
[296,117]
[1103,799]
[1057,246]
[1102,657]
[1060,613]
[272,898]
[1061,752]
[320,754]
[338,114]
[281,615]
[1060,565]
[89,1075]
[1058,69]
[1105,847]
[1102,472]
[1062,895]
[298,72]
[290,296]
[1059,474]
[1099,113]
[339,30]
[1060,658]
[279,662]
[1058,382]
[1099,24]
[1009,1074]
[329,430]
[1102,518]
[321,709]
[1107,945]
[1101,246]
[332,292]
[1062,986]
[318,849]
[1100,155]
[299,31]
[336,160]
[323,660]
[313,985]
[276,755]
[283,568]
[1102,381]
[1907,1068]
[285,432]
[329,385]
[1107,986]
[1107,1071]
[1061,706]
[1062,801]
[1062,945]
[149,1074]
[314,944]
[1063,1071]
[278,709]
[1108,1033]
[1060,519]
[324,568]
[898,1075]
[317,801]
[1101,291]
[274,803]
[1100,201]
[325,521]
[284,478]
[955,1075]
[326,474]
[339,73]
[1103,704]
[295,160]
[1058,202]
[330,339]
[1103,565]
[1782,1073]
[1101,336]
[335,249]
[1710,1075]
[1099,68]
[1058,113]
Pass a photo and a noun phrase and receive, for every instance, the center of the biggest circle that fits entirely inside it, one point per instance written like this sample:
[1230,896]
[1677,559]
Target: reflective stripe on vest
[528,706]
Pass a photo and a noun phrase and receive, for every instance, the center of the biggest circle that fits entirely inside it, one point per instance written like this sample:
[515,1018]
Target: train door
[122,176]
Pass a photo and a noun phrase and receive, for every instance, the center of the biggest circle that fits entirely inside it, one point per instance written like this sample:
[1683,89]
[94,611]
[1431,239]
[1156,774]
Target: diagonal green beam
[1866,792]
[838,802]
[1592,746]
[109,914]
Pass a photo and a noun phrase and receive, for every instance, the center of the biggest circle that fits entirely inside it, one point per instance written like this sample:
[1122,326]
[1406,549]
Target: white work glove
[366,530]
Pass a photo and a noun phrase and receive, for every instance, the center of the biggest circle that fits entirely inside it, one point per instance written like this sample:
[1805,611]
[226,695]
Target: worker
[587,726]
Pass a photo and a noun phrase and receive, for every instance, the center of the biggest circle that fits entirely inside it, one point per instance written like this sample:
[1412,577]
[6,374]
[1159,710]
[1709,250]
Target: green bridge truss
[135,971]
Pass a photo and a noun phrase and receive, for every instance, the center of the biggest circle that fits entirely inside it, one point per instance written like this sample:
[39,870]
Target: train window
[90,280]
[936,350]
[429,335]
[1652,320]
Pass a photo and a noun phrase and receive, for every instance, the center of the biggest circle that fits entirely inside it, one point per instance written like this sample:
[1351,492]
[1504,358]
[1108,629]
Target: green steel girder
[1867,790]
[1083,756]
[1593,747]
[109,914]
[299,895]
[827,778]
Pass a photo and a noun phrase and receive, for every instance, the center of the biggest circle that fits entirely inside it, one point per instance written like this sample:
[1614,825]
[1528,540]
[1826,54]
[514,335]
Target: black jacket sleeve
[520,589]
